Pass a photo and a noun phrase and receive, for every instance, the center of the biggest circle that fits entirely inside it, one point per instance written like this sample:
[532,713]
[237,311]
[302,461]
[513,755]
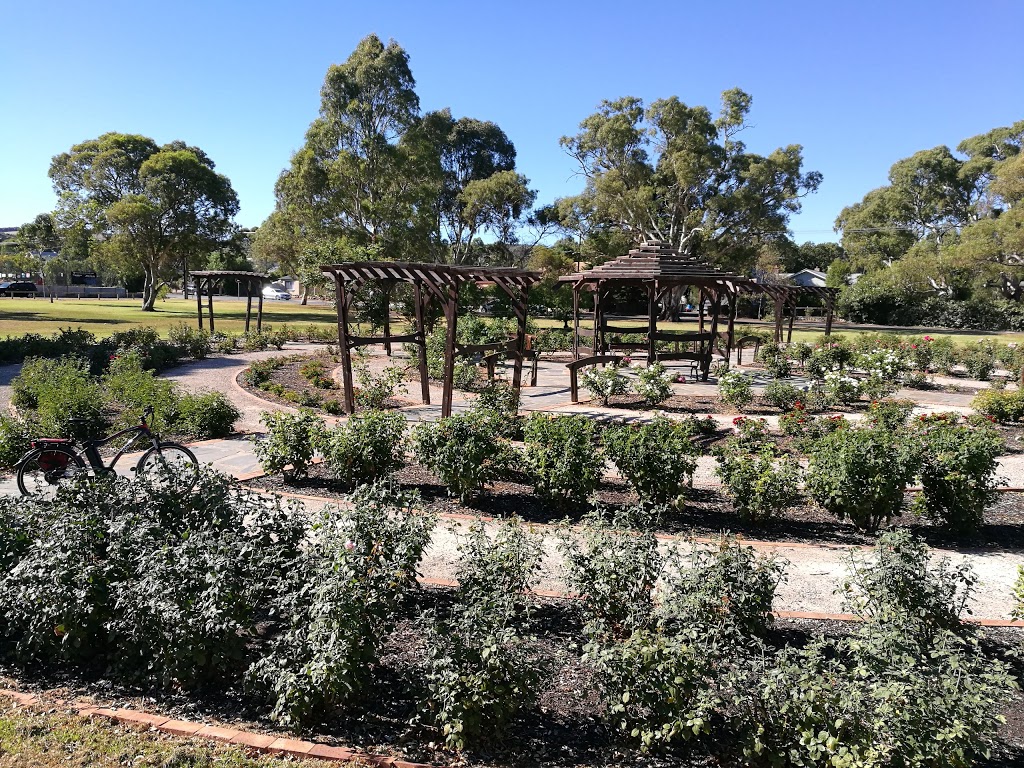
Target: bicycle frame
[92,454]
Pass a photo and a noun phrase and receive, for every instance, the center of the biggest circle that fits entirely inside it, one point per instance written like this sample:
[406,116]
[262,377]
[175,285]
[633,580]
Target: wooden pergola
[659,269]
[211,279]
[785,297]
[430,282]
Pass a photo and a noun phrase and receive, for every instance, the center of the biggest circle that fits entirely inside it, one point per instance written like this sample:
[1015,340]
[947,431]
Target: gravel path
[219,373]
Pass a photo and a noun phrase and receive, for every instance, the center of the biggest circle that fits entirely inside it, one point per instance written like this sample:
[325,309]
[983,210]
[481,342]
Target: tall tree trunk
[305,295]
[149,291]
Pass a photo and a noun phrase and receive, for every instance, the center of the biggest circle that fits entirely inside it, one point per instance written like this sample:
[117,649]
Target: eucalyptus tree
[680,174]
[147,204]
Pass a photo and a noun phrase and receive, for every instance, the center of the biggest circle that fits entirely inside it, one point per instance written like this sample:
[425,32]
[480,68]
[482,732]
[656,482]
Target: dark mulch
[706,512]
[568,728]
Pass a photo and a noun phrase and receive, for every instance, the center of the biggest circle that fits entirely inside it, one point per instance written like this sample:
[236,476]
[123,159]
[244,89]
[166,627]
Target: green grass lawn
[103,317]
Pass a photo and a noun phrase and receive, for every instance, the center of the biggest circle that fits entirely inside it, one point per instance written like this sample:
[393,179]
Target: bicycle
[54,461]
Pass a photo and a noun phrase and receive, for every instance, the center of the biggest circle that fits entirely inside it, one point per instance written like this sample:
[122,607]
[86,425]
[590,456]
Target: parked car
[273,292]
[8,288]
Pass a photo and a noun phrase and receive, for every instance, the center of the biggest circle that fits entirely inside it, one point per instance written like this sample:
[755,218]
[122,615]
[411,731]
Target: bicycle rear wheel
[169,465]
[45,470]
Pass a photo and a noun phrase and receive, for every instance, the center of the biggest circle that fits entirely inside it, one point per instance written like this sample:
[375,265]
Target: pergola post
[451,312]
[209,300]
[576,321]
[387,318]
[652,320]
[597,315]
[792,317]
[714,330]
[248,303]
[521,307]
[259,310]
[199,299]
[830,307]
[700,310]
[779,310]
[346,353]
[734,297]
[421,342]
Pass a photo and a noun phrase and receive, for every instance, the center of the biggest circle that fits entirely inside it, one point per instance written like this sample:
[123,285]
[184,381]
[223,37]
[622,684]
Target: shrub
[958,470]
[224,343]
[374,392]
[316,373]
[193,342]
[751,434]
[723,589]
[367,447]
[781,395]
[862,474]
[562,457]
[347,589]
[890,414]
[774,360]
[464,451]
[259,371]
[1018,594]
[656,458]
[808,429]
[255,341]
[65,399]
[898,586]
[840,389]
[291,441]
[1004,407]
[734,389]
[158,585]
[277,337]
[15,440]
[604,381]
[205,416]
[761,485]
[129,389]
[479,673]
[653,383]
[613,572]
[979,364]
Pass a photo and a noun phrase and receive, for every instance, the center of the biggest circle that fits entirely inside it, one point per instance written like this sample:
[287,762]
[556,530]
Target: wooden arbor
[784,299]
[208,280]
[430,282]
[659,269]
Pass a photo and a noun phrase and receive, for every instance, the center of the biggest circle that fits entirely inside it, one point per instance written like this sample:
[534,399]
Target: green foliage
[366,447]
[63,398]
[613,572]
[782,396]
[735,390]
[464,451]
[653,383]
[958,470]
[655,457]
[205,416]
[15,439]
[562,456]
[291,440]
[604,382]
[761,485]
[479,672]
[1018,594]
[751,435]
[807,429]
[346,592]
[774,360]
[374,392]
[1004,407]
[158,585]
[129,389]
[195,343]
[723,590]
[862,474]
[316,373]
[890,414]
[897,586]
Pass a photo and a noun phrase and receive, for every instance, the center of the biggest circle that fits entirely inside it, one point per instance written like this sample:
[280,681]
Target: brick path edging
[256,742]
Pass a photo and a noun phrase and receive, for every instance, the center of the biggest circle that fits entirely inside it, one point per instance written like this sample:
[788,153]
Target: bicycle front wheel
[45,470]
[169,465]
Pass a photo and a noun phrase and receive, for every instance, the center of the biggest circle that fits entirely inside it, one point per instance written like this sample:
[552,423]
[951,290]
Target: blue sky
[859,85]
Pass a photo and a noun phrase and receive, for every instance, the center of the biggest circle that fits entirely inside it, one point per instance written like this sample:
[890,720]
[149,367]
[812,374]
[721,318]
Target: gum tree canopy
[681,175]
[150,205]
